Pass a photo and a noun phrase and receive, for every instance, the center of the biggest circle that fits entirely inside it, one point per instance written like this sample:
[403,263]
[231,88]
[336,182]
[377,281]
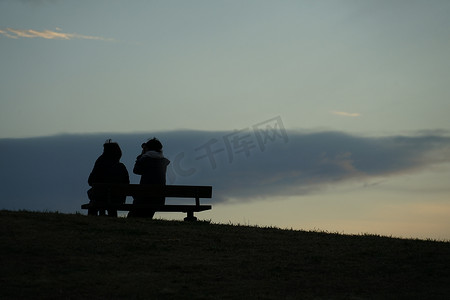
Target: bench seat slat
[166,208]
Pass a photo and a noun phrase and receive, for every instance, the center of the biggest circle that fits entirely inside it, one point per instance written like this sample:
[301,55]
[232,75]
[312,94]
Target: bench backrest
[177,191]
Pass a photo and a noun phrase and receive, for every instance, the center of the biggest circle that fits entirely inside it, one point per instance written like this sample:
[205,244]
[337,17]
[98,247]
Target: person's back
[152,166]
[107,169]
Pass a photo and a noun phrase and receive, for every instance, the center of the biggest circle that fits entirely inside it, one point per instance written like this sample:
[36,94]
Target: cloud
[5,33]
[48,34]
[345,114]
[50,173]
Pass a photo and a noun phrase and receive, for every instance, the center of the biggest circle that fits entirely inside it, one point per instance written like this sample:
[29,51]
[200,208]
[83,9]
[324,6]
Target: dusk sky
[353,97]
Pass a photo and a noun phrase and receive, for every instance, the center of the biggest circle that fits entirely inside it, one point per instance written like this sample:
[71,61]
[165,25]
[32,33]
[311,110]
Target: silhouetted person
[151,165]
[107,169]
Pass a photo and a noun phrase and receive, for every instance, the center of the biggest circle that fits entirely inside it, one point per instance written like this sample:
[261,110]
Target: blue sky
[371,70]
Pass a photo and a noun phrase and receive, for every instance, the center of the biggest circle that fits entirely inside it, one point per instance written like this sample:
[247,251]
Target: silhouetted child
[107,169]
[152,166]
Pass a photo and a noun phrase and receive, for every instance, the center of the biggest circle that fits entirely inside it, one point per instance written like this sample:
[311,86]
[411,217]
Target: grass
[64,256]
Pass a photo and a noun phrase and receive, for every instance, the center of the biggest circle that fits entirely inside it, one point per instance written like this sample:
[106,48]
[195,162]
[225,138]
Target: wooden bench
[168,191]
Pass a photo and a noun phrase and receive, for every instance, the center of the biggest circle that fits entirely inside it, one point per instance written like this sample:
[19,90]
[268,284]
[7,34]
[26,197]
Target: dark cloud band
[50,173]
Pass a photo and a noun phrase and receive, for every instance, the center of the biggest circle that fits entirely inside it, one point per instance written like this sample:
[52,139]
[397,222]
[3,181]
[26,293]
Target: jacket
[152,167]
[108,171]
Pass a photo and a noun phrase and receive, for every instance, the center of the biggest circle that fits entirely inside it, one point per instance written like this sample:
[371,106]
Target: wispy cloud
[7,34]
[345,114]
[48,34]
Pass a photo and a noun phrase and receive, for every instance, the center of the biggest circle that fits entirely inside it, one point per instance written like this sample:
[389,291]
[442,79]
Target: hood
[153,154]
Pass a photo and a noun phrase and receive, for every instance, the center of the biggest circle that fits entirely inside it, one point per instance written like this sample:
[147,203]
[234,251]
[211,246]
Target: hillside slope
[60,256]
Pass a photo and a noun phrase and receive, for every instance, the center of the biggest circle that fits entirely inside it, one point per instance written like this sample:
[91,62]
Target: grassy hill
[60,256]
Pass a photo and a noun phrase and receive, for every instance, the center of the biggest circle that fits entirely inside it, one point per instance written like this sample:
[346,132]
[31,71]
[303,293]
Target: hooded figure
[107,169]
[152,166]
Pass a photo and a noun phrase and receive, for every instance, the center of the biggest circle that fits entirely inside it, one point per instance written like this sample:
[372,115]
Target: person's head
[152,145]
[112,150]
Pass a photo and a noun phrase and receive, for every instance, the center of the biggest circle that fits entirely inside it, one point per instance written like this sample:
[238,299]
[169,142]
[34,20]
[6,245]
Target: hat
[153,144]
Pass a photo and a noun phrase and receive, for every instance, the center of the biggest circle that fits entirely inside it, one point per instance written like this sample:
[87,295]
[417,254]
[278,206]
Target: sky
[325,115]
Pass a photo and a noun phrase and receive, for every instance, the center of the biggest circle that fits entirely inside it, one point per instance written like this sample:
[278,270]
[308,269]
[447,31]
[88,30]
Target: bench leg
[190,217]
